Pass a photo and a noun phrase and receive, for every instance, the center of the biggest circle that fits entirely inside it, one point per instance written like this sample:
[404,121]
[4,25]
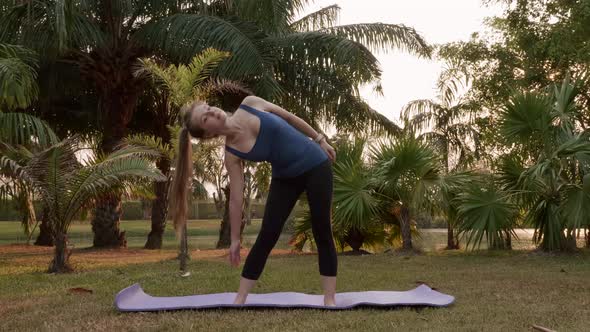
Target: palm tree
[355,203]
[310,65]
[486,210]
[174,86]
[68,186]
[20,135]
[18,86]
[545,174]
[408,173]
[363,216]
[448,124]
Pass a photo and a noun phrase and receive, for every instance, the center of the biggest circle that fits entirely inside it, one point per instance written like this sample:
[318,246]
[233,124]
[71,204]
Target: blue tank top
[288,150]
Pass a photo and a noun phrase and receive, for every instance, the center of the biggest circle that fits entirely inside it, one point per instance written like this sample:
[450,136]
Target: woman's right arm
[235,169]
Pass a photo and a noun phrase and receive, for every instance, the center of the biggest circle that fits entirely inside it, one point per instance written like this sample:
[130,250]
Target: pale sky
[405,77]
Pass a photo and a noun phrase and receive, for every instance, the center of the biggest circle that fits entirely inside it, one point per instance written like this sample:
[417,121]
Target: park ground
[494,290]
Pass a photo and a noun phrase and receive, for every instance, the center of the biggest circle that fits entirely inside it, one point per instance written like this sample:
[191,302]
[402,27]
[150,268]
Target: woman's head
[203,120]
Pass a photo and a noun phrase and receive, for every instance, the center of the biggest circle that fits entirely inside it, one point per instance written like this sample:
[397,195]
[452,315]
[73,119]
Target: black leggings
[283,194]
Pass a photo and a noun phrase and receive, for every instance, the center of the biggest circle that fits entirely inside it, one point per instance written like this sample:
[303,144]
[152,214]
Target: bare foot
[329,302]
[239,300]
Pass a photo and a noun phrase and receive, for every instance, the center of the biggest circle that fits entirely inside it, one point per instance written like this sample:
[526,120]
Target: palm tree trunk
[570,240]
[406,229]
[60,262]
[146,209]
[111,71]
[45,238]
[218,202]
[508,241]
[159,208]
[248,200]
[224,240]
[452,243]
[355,239]
[107,213]
[184,256]
[24,204]
[106,224]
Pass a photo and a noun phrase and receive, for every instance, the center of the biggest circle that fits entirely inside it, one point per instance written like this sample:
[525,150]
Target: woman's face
[209,118]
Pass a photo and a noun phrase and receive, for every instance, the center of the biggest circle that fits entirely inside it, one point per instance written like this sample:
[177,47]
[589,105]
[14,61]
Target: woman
[257,131]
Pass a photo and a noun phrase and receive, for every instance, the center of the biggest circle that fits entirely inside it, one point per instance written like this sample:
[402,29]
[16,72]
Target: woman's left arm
[292,119]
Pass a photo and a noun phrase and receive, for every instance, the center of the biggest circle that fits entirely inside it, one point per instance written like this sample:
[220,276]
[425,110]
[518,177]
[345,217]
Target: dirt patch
[22,305]
[22,254]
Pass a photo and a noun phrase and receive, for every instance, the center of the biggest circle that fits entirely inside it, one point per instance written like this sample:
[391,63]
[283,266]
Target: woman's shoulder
[255,102]
[252,100]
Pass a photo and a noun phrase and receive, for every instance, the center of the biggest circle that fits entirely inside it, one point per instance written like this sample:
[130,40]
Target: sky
[405,77]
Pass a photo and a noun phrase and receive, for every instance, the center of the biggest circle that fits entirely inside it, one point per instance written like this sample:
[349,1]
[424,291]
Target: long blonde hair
[178,202]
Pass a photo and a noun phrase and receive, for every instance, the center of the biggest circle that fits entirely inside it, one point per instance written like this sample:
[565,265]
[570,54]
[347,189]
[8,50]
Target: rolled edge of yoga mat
[133,298]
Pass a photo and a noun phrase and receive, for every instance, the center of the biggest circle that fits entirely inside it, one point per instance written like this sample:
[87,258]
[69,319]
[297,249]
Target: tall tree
[19,89]
[448,123]
[408,170]
[532,44]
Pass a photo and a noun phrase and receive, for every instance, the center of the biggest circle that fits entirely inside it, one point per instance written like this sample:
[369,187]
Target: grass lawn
[202,233]
[495,291]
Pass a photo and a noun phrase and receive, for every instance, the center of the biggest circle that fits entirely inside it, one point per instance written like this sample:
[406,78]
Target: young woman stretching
[262,131]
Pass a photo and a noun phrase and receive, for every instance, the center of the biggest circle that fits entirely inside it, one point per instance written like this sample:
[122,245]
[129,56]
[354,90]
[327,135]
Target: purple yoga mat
[133,298]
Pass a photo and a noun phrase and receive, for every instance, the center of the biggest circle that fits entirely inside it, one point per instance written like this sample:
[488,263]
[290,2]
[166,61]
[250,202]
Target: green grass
[495,291]
[202,233]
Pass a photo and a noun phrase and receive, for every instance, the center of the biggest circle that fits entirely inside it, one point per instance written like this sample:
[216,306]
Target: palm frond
[271,15]
[420,114]
[11,168]
[181,36]
[486,212]
[150,142]
[124,151]
[545,216]
[451,81]
[329,51]
[22,129]
[18,76]
[575,207]
[383,37]
[354,202]
[526,118]
[99,179]
[162,77]
[565,108]
[50,27]
[323,18]
[577,145]
[203,64]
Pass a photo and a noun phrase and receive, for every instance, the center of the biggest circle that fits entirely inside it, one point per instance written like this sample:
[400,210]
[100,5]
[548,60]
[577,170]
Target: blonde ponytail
[180,183]
[178,204]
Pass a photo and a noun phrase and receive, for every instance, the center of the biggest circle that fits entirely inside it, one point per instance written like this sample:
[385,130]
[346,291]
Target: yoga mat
[133,298]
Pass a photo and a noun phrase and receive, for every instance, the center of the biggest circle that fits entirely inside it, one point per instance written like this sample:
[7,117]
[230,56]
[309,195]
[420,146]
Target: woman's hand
[234,253]
[329,150]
